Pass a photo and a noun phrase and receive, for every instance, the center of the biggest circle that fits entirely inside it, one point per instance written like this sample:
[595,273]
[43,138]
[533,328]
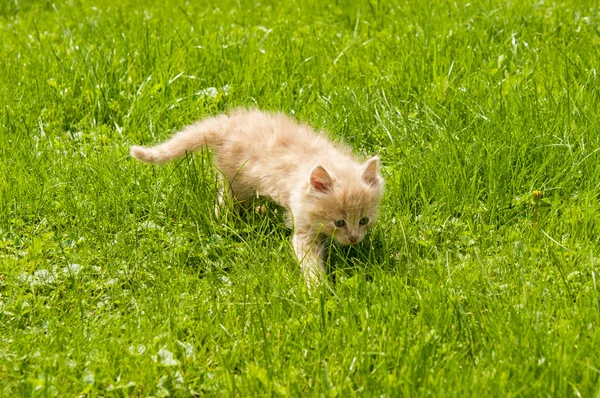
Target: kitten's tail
[205,133]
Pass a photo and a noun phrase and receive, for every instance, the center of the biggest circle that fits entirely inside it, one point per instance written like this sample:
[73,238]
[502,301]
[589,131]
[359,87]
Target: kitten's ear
[320,180]
[370,171]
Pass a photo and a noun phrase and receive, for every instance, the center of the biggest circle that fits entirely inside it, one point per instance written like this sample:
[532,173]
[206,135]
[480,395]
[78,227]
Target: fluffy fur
[326,190]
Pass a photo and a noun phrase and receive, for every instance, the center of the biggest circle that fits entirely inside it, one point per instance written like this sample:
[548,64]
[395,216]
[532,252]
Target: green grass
[117,280]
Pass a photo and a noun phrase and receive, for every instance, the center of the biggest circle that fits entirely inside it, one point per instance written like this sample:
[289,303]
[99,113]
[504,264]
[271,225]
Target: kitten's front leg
[310,255]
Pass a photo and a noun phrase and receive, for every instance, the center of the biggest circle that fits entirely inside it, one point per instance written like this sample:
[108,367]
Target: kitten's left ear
[370,172]
[320,180]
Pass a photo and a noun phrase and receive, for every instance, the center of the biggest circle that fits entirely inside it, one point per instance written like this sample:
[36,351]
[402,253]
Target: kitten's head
[345,206]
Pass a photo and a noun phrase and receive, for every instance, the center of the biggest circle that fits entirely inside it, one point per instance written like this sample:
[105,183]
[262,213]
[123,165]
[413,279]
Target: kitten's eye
[340,223]
[364,221]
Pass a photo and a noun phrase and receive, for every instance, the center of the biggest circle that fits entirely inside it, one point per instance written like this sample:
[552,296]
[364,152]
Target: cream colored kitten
[326,190]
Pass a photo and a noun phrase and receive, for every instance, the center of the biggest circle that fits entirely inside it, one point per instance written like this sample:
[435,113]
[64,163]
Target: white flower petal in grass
[162,390]
[111,282]
[88,377]
[188,348]
[24,278]
[137,350]
[130,384]
[541,361]
[78,136]
[71,269]
[210,92]
[165,358]
[178,381]
[42,277]
[150,225]
[226,288]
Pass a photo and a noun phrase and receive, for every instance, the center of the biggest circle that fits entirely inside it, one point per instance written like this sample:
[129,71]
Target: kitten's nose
[352,239]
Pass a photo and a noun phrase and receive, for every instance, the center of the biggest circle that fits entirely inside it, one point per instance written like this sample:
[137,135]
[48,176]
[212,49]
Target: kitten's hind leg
[222,192]
[228,195]
[310,256]
[224,196]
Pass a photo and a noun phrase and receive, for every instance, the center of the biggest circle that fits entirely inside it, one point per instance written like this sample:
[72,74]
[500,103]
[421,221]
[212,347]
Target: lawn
[117,279]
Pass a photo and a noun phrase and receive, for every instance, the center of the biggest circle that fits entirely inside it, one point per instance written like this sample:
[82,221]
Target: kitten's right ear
[320,180]
[370,172]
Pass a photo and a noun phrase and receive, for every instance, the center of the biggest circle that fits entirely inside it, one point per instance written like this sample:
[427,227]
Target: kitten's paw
[260,209]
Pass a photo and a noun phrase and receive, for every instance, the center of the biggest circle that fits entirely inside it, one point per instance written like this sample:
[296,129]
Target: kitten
[326,191]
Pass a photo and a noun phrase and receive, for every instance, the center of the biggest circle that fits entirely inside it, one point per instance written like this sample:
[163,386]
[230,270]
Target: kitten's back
[275,137]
